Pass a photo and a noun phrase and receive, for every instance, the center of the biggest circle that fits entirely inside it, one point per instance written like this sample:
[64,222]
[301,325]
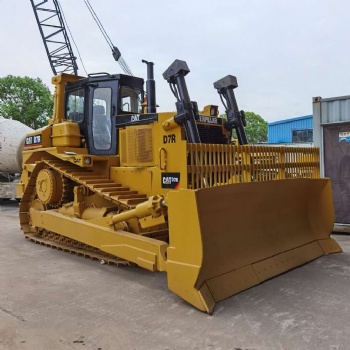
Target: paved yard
[54,300]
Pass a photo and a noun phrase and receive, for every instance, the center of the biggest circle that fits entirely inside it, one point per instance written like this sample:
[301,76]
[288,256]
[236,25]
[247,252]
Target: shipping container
[332,135]
[293,130]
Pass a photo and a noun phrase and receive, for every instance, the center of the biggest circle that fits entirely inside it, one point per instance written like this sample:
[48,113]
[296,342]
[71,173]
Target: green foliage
[256,128]
[25,99]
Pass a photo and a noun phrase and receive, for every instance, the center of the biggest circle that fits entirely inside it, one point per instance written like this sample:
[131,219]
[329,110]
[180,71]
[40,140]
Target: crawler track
[59,242]
[120,196]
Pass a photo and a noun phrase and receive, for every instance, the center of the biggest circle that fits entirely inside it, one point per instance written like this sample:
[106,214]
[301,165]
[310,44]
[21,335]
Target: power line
[71,35]
[115,51]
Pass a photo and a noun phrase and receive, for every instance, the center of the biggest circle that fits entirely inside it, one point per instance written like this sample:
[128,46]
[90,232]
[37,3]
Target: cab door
[102,133]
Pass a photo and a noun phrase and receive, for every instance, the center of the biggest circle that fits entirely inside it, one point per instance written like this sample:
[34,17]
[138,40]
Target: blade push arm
[235,118]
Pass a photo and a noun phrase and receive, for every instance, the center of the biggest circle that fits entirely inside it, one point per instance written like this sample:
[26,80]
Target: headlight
[213,111]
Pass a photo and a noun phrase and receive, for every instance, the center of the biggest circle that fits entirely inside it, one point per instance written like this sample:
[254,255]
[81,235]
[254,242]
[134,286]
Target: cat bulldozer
[110,178]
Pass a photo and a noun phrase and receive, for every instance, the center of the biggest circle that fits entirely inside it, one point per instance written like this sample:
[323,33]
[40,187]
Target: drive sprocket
[51,187]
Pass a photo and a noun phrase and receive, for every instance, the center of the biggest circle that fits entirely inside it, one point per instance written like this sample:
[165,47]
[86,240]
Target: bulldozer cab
[95,103]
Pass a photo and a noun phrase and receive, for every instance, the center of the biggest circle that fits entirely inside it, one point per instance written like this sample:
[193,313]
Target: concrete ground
[53,300]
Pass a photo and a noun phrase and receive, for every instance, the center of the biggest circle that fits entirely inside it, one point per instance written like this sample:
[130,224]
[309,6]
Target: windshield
[130,100]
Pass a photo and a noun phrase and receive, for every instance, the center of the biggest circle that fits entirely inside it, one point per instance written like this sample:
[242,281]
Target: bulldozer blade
[226,239]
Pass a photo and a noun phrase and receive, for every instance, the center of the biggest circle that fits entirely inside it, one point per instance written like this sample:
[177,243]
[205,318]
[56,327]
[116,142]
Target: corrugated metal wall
[331,119]
[334,110]
[281,131]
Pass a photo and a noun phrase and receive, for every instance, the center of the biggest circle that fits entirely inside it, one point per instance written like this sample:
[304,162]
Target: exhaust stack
[150,88]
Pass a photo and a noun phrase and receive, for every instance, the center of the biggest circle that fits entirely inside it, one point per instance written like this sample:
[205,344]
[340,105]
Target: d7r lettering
[169,138]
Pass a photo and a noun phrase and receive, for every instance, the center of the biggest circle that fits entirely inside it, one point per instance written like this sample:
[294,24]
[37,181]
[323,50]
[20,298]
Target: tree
[256,128]
[25,99]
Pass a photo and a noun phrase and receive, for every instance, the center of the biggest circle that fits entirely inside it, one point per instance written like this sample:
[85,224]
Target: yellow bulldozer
[112,179]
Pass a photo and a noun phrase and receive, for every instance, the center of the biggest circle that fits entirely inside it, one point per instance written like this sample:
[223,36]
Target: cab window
[75,106]
[130,100]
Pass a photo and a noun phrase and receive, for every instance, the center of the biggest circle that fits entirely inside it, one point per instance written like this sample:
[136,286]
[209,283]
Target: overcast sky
[282,52]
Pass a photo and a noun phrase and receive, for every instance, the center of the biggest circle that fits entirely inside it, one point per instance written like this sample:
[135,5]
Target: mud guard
[226,239]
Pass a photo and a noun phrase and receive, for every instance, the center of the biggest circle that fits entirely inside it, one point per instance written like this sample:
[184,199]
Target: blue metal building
[294,130]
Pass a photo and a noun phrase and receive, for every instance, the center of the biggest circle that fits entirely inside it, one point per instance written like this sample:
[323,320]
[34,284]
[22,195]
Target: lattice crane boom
[50,20]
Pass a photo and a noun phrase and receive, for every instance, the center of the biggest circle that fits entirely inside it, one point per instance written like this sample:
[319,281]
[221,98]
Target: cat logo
[170,180]
[135,118]
[32,140]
